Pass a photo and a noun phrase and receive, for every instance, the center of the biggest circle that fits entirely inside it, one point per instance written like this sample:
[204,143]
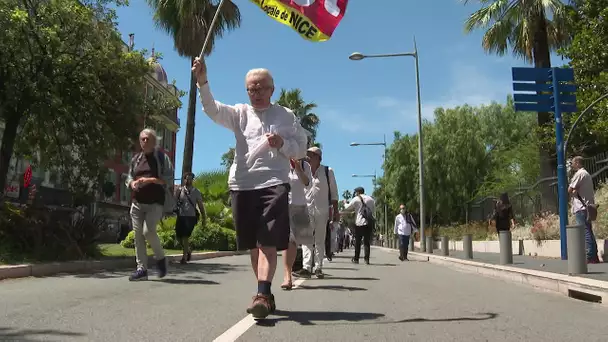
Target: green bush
[212,236]
[45,234]
[129,241]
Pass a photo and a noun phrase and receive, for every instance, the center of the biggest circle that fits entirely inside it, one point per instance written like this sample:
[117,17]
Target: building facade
[166,126]
[52,191]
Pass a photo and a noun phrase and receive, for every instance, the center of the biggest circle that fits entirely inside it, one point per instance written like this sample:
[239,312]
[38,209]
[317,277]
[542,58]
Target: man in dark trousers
[405,226]
[364,207]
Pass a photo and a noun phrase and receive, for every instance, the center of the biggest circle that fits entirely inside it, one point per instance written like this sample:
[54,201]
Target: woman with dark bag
[503,214]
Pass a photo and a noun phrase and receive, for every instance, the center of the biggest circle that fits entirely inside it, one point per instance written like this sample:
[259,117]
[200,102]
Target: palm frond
[188,21]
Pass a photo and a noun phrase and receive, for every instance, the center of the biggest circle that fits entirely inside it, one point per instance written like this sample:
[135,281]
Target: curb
[570,286]
[92,266]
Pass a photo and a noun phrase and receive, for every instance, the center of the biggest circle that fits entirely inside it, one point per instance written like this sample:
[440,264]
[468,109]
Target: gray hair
[151,132]
[260,72]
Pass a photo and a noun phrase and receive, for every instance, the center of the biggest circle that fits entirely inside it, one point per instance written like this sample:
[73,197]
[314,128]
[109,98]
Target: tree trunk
[542,59]
[11,125]
[190,121]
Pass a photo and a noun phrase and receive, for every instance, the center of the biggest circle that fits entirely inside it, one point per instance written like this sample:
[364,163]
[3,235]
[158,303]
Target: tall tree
[68,85]
[293,100]
[532,29]
[188,21]
[471,152]
[589,30]
[228,158]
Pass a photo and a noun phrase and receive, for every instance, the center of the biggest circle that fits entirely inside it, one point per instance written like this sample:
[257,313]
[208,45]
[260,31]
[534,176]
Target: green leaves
[70,84]
[589,31]
[293,100]
[469,152]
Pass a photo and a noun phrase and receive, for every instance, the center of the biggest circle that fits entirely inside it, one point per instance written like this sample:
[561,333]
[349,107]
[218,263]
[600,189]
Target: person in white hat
[322,198]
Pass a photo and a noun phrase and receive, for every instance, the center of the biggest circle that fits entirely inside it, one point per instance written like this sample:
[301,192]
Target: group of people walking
[281,194]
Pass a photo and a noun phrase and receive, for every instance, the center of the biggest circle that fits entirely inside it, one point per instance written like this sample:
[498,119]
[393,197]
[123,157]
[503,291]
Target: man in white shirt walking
[267,136]
[299,220]
[405,226]
[583,195]
[322,198]
[364,206]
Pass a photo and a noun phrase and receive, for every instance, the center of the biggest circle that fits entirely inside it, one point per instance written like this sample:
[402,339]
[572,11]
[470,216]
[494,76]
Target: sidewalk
[92,266]
[596,271]
[544,273]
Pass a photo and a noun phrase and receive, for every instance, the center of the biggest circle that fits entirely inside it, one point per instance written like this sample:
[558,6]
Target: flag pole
[211,27]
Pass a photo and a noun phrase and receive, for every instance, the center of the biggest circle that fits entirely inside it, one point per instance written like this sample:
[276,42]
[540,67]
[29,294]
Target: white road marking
[243,325]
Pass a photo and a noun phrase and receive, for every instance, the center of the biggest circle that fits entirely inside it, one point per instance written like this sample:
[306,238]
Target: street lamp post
[359,56]
[383,143]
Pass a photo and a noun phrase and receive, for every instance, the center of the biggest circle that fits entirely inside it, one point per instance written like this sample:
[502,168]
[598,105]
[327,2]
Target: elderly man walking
[150,175]
[583,196]
[322,198]
[405,226]
[267,136]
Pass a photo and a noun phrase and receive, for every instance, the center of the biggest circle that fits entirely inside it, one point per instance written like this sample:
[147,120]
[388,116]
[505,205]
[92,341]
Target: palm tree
[292,99]
[187,21]
[532,29]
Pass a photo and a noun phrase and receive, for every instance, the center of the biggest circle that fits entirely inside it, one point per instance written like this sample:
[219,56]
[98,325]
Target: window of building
[126,157]
[168,140]
[125,192]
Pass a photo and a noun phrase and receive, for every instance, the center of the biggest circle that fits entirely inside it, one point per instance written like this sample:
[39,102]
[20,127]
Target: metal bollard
[577,258]
[467,246]
[429,244]
[506,247]
[411,244]
[445,245]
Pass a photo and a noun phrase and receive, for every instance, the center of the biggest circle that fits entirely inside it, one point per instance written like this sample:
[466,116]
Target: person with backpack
[188,198]
[364,206]
[299,222]
[150,178]
[322,198]
[405,226]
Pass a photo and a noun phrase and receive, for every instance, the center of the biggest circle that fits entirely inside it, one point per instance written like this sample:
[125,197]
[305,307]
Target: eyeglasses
[257,90]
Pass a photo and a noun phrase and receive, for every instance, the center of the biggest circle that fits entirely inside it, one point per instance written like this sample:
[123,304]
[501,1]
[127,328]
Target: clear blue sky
[357,101]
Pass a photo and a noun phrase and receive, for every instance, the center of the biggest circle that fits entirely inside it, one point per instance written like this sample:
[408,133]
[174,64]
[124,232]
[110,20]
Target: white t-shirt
[583,183]
[319,193]
[356,206]
[249,127]
[297,195]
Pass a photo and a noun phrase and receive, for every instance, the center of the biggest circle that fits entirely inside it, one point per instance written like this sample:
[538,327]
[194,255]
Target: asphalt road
[386,301]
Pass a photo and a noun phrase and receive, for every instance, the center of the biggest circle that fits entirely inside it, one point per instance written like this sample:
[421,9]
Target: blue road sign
[551,92]
[542,74]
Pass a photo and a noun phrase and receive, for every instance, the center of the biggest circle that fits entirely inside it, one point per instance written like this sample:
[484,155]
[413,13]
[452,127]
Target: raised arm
[225,115]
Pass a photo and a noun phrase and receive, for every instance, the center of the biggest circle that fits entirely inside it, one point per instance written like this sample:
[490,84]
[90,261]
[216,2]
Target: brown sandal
[287,286]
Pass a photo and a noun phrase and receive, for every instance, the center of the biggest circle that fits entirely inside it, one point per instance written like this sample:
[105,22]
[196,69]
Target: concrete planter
[548,249]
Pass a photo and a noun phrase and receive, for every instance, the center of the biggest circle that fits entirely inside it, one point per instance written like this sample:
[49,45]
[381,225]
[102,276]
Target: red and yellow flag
[314,20]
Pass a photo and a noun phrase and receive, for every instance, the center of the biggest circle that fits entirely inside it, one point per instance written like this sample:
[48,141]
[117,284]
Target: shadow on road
[26,335]
[382,265]
[174,269]
[329,276]
[339,268]
[480,317]
[309,317]
[186,281]
[332,287]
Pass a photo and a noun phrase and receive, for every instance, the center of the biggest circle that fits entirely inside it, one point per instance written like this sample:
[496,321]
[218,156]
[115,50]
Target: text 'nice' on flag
[314,20]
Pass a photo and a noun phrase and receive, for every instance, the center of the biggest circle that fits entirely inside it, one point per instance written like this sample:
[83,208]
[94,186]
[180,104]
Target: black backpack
[367,213]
